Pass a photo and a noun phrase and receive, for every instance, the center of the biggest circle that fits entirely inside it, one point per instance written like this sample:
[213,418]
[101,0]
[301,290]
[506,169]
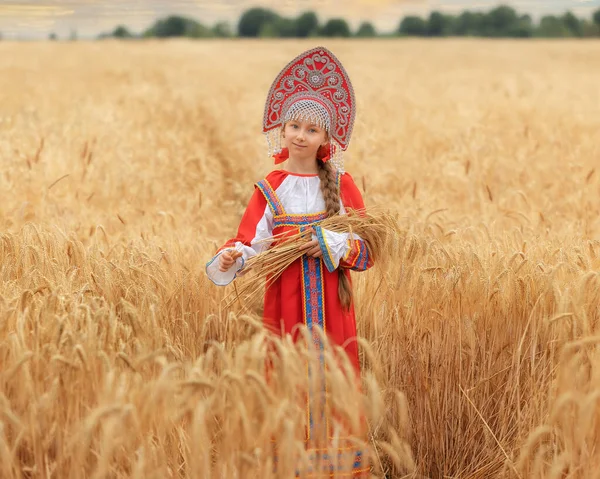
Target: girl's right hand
[227,259]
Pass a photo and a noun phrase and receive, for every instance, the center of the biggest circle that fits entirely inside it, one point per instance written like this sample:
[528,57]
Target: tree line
[501,21]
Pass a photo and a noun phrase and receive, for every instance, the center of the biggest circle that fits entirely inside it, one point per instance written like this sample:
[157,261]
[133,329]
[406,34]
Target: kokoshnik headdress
[312,87]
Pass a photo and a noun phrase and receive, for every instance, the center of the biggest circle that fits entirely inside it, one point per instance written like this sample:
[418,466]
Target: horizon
[29,20]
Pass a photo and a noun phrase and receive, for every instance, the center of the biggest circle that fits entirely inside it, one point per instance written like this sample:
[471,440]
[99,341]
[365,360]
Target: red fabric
[283,309]
[350,194]
[253,213]
[283,301]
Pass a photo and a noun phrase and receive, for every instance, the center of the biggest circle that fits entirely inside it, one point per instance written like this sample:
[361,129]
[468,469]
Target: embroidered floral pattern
[298,220]
[312,277]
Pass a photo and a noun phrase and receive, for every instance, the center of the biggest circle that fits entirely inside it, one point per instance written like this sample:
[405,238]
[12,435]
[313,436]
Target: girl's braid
[331,195]
[329,188]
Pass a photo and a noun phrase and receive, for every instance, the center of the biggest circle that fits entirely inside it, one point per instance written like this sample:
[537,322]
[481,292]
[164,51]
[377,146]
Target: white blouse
[298,195]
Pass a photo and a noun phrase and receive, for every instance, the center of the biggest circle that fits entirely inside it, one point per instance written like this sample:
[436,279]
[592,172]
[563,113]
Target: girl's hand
[312,248]
[227,260]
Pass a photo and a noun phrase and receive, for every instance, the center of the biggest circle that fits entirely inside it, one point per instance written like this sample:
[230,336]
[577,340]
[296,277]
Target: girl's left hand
[312,248]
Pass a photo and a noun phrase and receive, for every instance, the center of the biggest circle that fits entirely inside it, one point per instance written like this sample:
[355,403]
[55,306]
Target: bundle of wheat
[375,226]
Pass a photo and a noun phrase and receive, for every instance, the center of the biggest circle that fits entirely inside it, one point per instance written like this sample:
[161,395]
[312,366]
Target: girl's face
[303,139]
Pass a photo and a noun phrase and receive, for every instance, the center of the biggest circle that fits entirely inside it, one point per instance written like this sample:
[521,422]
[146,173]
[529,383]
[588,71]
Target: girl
[311,108]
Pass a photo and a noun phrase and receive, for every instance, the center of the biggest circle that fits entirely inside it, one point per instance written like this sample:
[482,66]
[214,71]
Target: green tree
[590,29]
[438,24]
[336,27]
[435,24]
[596,17]
[197,30]
[366,30]
[413,26]
[552,26]
[169,27]
[465,24]
[121,32]
[222,30]
[173,26]
[285,27]
[572,24]
[177,26]
[268,30]
[307,24]
[502,21]
[522,28]
[52,37]
[252,21]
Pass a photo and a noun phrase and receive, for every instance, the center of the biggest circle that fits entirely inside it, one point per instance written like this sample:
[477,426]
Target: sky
[36,19]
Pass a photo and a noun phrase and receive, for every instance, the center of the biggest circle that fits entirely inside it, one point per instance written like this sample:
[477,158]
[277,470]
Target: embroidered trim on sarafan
[298,220]
[313,307]
[272,199]
[312,278]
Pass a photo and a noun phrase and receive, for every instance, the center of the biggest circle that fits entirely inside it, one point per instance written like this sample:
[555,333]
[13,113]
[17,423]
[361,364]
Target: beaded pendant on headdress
[312,87]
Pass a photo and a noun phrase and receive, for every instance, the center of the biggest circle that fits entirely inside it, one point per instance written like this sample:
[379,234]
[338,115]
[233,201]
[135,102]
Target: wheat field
[125,165]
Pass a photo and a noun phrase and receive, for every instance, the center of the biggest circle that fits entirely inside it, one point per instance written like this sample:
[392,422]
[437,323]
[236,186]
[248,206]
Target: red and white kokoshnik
[312,87]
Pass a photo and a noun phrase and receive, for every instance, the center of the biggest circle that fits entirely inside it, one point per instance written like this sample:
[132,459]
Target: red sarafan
[308,119]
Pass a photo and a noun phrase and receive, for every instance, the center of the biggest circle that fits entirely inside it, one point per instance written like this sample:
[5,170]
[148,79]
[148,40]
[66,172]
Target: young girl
[311,108]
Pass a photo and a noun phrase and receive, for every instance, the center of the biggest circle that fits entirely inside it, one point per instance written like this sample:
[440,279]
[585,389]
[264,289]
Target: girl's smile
[305,136]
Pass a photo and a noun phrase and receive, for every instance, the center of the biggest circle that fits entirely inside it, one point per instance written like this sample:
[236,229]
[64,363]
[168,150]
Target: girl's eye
[312,130]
